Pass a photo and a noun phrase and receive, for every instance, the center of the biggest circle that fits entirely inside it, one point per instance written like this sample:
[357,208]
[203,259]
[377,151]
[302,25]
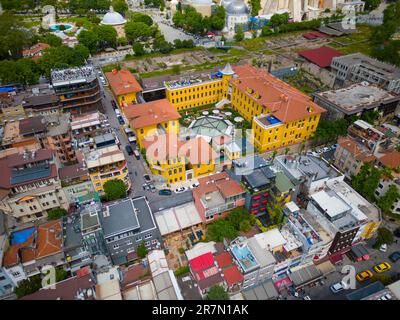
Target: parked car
[395,256]
[113,103]
[181,189]
[152,188]
[137,154]
[165,192]
[117,112]
[337,287]
[195,185]
[382,267]
[129,150]
[146,177]
[383,247]
[121,120]
[364,275]
[397,233]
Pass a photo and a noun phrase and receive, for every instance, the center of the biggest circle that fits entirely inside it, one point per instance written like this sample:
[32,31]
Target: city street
[137,168]
[376,257]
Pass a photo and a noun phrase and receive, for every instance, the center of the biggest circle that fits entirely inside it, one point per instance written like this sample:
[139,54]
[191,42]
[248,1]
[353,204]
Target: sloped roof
[391,159]
[322,57]
[277,97]
[123,82]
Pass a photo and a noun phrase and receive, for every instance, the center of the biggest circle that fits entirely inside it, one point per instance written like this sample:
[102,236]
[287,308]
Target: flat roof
[264,291]
[305,275]
[270,239]
[177,218]
[357,97]
[330,203]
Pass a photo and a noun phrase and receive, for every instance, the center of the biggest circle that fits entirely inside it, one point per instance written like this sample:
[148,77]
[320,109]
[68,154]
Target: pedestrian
[135,173]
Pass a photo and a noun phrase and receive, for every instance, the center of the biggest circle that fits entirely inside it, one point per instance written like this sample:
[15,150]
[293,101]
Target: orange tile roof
[123,82]
[391,159]
[279,98]
[150,113]
[47,240]
[35,49]
[224,259]
[168,146]
[352,146]
[219,182]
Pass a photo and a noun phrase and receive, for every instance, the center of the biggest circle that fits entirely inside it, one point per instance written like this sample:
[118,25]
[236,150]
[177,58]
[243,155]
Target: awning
[336,258]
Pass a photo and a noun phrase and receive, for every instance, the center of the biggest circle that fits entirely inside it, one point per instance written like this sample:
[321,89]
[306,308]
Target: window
[147,236]
[116,246]
[147,243]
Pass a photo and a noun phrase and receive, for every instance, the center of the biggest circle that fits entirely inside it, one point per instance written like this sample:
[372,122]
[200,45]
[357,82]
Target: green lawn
[356,42]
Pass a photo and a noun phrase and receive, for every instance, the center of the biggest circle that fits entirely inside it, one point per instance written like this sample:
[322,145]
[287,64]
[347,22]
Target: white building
[237,13]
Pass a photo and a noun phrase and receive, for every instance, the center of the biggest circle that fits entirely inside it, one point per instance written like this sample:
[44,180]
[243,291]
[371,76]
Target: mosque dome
[202,2]
[237,7]
[113,18]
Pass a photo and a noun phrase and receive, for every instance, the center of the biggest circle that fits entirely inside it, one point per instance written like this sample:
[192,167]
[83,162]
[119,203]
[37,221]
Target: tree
[141,17]
[92,16]
[371,4]
[119,6]
[56,213]
[115,189]
[138,49]
[50,39]
[388,199]
[370,116]
[107,36]
[217,293]
[122,41]
[13,38]
[255,7]
[275,211]
[366,181]
[89,40]
[136,31]
[217,18]
[28,286]
[239,35]
[385,236]
[161,45]
[240,219]
[278,19]
[221,229]
[141,250]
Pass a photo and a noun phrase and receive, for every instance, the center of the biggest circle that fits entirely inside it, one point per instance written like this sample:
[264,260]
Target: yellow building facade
[107,164]
[280,114]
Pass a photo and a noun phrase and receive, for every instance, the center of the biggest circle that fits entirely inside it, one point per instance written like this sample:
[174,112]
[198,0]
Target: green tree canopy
[56,213]
[388,199]
[278,19]
[115,189]
[255,7]
[384,236]
[89,40]
[217,293]
[371,4]
[49,38]
[107,36]
[136,31]
[221,229]
[367,180]
[141,250]
[120,6]
[138,49]
[141,17]
[28,286]
[239,35]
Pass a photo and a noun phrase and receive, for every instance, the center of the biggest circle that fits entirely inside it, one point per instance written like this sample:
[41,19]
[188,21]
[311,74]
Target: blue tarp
[21,236]
[7,89]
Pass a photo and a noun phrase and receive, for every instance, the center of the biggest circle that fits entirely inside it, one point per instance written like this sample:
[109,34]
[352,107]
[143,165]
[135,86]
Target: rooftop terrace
[73,75]
[193,80]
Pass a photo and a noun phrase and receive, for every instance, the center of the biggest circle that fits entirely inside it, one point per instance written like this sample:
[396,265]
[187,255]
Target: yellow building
[280,114]
[124,87]
[106,164]
[151,118]
[174,160]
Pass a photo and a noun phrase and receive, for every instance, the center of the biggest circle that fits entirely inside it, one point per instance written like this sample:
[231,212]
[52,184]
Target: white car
[181,189]
[337,287]
[383,247]
[195,185]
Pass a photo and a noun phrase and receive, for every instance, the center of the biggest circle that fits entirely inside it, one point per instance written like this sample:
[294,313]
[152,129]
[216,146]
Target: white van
[117,112]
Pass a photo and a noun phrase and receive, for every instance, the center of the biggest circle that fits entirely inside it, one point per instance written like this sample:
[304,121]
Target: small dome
[237,7]
[113,18]
[225,3]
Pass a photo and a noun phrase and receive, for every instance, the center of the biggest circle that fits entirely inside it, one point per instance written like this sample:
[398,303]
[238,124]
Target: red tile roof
[202,262]
[150,113]
[218,182]
[224,259]
[232,275]
[276,96]
[314,35]
[391,159]
[322,57]
[358,152]
[35,50]
[123,82]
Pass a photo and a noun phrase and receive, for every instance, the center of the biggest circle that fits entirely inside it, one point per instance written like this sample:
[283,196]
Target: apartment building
[357,99]
[30,185]
[216,195]
[105,164]
[58,138]
[78,89]
[152,118]
[358,67]
[85,127]
[126,225]
[124,87]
